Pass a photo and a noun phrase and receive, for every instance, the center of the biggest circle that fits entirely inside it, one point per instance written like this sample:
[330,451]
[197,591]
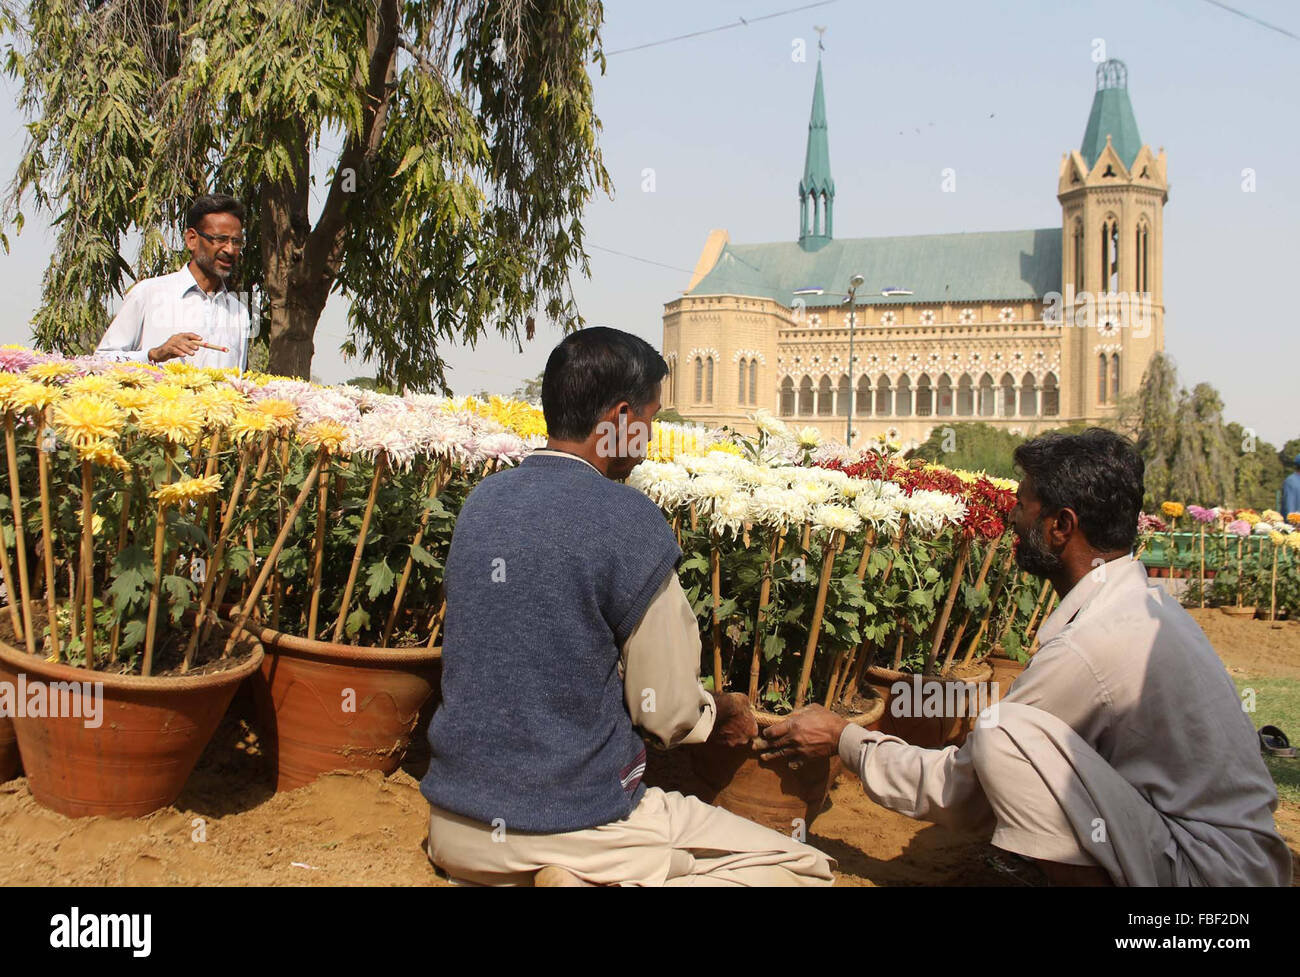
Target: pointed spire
[1111,117]
[816,189]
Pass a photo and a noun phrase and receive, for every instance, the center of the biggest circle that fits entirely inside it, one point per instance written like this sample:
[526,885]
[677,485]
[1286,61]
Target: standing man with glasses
[189,314]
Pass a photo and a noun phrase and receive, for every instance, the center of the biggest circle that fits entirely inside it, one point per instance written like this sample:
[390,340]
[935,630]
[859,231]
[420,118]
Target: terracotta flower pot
[770,792]
[149,737]
[323,706]
[8,750]
[1005,672]
[1232,610]
[937,731]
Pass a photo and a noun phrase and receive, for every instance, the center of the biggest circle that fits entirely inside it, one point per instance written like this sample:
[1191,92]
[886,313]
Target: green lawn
[1277,703]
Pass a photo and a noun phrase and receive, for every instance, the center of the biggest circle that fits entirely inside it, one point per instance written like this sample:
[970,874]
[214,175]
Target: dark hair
[212,203]
[591,371]
[1098,474]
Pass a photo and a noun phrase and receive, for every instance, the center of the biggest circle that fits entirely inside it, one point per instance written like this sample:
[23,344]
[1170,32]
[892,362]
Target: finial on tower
[1112,74]
[821,34]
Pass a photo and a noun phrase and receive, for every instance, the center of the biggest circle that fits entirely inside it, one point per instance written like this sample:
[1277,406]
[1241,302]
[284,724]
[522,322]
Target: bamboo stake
[222,584]
[844,660]
[11,591]
[20,537]
[439,483]
[202,624]
[988,613]
[47,540]
[246,608]
[814,632]
[764,595]
[864,658]
[1272,600]
[1202,564]
[1240,582]
[902,628]
[1038,606]
[979,582]
[74,599]
[435,625]
[318,556]
[1051,605]
[936,639]
[1015,610]
[715,579]
[345,606]
[151,627]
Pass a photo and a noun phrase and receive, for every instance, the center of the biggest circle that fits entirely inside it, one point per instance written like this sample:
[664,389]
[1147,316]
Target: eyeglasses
[221,240]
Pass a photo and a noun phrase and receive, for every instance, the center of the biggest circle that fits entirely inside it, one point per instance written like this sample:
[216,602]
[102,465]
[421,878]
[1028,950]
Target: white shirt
[155,309]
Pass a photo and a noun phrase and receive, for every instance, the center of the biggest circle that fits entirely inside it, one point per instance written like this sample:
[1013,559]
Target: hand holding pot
[735,724]
[812,732]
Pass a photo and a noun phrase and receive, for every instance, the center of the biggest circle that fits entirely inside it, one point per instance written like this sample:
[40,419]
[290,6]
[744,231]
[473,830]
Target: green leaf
[358,619]
[380,578]
[423,556]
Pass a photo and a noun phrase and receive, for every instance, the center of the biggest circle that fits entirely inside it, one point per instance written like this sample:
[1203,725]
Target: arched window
[805,396]
[943,405]
[740,387]
[1051,396]
[1028,396]
[753,381]
[1008,395]
[924,396]
[787,397]
[699,380]
[884,397]
[1114,378]
[1110,255]
[863,406]
[965,396]
[987,404]
[845,393]
[1102,386]
[708,380]
[1143,267]
[903,397]
[825,398]
[668,389]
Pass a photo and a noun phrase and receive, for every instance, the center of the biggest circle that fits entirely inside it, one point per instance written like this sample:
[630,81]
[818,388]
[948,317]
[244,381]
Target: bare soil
[230,828]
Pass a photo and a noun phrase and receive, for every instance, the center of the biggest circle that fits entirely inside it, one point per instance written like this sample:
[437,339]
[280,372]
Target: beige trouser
[1055,798]
[669,839]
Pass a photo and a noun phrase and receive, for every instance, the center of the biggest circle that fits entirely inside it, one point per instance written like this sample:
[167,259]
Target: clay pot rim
[889,675]
[278,641]
[63,672]
[765,718]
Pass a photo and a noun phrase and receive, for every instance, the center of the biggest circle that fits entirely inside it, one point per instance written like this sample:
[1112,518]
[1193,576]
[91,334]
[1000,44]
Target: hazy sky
[996,91]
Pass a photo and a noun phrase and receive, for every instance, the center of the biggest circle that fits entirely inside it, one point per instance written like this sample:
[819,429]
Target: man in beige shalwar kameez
[1122,754]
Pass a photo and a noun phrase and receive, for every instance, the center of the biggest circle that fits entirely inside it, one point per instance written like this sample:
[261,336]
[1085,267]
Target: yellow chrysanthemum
[220,404]
[187,490]
[1272,515]
[167,390]
[133,399]
[281,412]
[31,395]
[329,435]
[1172,509]
[81,420]
[51,372]
[10,382]
[1249,515]
[1293,541]
[250,423]
[1276,538]
[727,447]
[134,375]
[96,523]
[186,375]
[93,383]
[178,421]
[103,453]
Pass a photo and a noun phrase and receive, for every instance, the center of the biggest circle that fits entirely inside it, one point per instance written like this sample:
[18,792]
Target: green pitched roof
[1111,115]
[1007,265]
[817,161]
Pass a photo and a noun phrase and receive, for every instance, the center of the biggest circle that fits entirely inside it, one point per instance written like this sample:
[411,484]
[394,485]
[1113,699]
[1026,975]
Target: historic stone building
[1024,329]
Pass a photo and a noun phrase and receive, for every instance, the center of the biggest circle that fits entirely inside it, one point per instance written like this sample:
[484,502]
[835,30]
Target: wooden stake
[764,595]
[47,541]
[814,632]
[151,626]
[439,483]
[715,578]
[318,556]
[988,612]
[1202,564]
[246,608]
[965,621]
[936,639]
[1272,601]
[20,538]
[346,605]
[202,623]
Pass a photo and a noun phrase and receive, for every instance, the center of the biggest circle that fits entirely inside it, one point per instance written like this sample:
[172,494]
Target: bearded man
[1121,755]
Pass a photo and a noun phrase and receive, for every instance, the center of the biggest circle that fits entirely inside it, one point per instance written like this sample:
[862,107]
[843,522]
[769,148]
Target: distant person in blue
[1291,490]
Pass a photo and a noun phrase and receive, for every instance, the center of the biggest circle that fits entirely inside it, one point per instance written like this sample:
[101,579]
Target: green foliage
[972,445]
[451,209]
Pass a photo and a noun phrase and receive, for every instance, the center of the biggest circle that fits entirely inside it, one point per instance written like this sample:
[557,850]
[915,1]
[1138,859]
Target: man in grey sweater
[1122,754]
[567,628]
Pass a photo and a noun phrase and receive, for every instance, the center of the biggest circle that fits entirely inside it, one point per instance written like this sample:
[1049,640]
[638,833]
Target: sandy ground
[230,828]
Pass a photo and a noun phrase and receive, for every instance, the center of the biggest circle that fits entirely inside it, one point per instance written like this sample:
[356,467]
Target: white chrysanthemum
[778,507]
[884,514]
[708,491]
[808,437]
[505,448]
[772,426]
[1263,528]
[665,482]
[929,511]
[836,517]
[730,514]
[833,477]
[815,491]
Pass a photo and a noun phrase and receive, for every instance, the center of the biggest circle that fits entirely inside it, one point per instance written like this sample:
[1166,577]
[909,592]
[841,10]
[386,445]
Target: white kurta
[155,309]
[1123,744]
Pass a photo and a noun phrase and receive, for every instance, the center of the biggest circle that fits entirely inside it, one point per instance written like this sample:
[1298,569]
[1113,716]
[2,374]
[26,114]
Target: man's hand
[734,724]
[181,344]
[812,732]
